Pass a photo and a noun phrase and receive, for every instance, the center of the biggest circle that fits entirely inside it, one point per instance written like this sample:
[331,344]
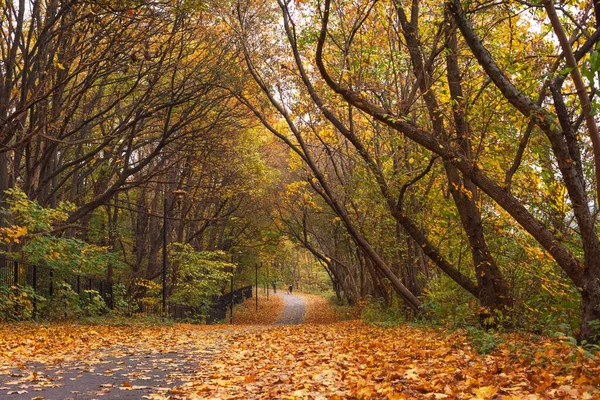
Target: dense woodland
[439,158]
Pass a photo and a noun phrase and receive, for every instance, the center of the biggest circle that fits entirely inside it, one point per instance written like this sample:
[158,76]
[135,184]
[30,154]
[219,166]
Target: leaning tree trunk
[590,295]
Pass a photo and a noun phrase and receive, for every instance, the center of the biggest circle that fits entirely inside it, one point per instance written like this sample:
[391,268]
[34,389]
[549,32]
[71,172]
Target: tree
[565,148]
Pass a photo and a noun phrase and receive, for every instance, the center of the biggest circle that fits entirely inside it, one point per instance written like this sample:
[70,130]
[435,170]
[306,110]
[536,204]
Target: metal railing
[221,304]
[43,282]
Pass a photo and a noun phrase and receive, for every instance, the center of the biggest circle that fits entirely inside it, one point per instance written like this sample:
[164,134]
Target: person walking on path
[274,284]
[290,289]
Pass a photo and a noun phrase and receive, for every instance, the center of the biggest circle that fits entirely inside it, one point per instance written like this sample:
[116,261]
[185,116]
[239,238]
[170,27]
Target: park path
[128,372]
[114,373]
[293,312]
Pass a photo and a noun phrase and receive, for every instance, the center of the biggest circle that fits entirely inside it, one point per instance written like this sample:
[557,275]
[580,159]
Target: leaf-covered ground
[268,311]
[62,361]
[319,310]
[319,361]
[355,360]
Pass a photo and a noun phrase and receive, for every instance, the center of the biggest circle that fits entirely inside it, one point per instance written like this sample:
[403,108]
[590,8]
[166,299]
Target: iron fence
[220,304]
[43,282]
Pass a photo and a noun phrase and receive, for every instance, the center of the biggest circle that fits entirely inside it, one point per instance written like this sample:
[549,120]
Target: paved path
[128,377]
[113,373]
[293,313]
[126,373]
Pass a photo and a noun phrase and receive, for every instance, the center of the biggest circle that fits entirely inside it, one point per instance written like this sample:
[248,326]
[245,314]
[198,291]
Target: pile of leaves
[356,360]
[320,311]
[318,361]
[268,311]
[24,343]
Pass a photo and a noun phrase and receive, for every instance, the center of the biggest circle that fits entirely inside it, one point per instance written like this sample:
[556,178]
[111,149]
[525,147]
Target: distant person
[290,289]
[274,286]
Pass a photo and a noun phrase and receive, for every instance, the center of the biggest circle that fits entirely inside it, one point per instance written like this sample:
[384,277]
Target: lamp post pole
[164,269]
[231,291]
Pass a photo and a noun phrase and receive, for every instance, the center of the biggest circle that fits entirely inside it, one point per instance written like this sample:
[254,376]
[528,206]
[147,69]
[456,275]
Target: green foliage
[35,237]
[120,304]
[63,305]
[146,297]
[375,312]
[583,348]
[93,304]
[484,342]
[199,274]
[16,303]
[66,304]
[595,324]
[591,71]
[446,302]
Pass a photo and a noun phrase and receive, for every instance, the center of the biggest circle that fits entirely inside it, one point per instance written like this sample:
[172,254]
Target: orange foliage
[356,360]
[268,311]
[334,361]
[320,311]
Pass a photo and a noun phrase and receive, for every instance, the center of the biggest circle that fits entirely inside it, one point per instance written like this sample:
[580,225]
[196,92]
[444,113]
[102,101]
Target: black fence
[151,305]
[44,281]
[220,304]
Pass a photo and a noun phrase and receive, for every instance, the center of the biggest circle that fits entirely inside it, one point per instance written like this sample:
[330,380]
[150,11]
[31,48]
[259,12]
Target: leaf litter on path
[268,310]
[310,361]
[320,311]
[67,360]
[356,360]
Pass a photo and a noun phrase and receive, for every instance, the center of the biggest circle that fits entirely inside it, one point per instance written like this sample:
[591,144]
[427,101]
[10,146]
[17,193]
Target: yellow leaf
[485,392]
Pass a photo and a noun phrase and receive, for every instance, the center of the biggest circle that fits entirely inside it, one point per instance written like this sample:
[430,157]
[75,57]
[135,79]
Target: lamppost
[256,282]
[178,195]
[231,304]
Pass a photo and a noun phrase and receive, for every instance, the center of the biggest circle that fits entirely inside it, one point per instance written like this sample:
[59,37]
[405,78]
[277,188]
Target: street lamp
[256,283]
[178,195]
[231,304]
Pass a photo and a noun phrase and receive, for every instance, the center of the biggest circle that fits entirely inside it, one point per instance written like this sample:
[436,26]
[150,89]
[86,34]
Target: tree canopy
[445,154]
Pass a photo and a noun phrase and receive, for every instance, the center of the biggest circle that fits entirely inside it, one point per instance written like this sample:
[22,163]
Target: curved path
[293,312]
[113,373]
[126,373]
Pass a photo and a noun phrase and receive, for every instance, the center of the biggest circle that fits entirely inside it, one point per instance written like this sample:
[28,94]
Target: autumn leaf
[485,392]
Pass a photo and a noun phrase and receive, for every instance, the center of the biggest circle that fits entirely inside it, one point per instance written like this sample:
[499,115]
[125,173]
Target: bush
[63,305]
[484,342]
[199,276]
[16,303]
[446,302]
[375,312]
[120,303]
[93,304]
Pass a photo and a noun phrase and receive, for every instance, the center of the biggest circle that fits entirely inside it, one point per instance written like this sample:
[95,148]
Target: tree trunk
[590,295]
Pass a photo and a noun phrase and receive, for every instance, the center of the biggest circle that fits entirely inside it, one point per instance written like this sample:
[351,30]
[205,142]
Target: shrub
[16,303]
[375,312]
[93,304]
[484,342]
[63,305]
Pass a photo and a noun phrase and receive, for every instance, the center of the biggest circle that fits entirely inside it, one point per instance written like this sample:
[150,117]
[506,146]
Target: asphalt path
[120,372]
[114,373]
[293,312]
